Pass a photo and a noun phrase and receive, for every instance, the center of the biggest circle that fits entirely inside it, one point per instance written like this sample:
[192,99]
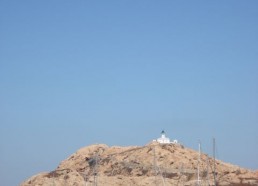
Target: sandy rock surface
[153,164]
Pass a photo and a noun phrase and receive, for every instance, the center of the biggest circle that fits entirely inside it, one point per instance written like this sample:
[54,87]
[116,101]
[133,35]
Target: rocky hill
[153,164]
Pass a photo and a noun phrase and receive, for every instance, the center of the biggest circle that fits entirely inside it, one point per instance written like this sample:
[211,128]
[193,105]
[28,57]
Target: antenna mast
[155,165]
[199,161]
[207,171]
[96,171]
[214,163]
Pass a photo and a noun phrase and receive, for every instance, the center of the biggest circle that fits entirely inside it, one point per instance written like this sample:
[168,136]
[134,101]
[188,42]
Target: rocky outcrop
[153,164]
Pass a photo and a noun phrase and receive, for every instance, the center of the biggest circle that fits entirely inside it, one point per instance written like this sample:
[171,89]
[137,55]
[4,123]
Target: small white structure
[164,140]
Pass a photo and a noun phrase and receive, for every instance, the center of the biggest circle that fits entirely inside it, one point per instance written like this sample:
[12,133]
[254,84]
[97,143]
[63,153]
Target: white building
[164,140]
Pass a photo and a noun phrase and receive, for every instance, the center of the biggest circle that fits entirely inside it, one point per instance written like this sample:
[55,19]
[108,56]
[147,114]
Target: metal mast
[207,176]
[155,165]
[96,171]
[214,163]
[199,161]
[85,174]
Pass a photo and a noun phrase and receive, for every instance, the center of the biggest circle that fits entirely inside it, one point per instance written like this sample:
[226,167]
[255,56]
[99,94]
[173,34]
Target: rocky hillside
[153,164]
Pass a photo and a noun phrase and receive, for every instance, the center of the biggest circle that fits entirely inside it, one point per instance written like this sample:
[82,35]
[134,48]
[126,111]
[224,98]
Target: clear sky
[75,73]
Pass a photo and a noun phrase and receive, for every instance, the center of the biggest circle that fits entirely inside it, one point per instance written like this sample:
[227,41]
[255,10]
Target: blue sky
[75,73]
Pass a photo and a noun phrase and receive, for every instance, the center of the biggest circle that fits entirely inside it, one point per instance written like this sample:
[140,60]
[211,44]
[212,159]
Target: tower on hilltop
[165,140]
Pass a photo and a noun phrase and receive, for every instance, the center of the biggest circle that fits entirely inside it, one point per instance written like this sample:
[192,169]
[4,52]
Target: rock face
[153,164]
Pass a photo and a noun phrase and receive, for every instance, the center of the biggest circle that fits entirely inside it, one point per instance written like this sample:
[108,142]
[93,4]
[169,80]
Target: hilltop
[152,164]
